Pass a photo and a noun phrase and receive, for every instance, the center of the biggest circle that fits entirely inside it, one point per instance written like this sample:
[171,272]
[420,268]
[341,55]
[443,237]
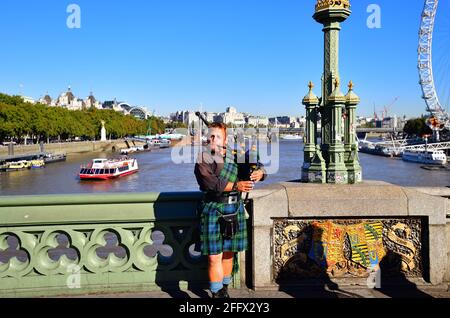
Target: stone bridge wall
[307,234]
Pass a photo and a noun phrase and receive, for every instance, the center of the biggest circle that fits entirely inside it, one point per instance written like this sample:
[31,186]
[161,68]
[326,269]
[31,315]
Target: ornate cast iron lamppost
[332,161]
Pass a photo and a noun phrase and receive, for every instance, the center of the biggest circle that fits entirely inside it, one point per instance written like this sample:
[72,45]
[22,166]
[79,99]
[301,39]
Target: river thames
[158,173]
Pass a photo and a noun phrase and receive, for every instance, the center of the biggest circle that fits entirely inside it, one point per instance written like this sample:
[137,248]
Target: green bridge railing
[78,244]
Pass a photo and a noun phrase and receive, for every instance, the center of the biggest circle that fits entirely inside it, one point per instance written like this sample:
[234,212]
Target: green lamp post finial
[337,82]
[350,85]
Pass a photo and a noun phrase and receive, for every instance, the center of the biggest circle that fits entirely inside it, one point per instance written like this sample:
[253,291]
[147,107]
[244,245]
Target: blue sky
[256,55]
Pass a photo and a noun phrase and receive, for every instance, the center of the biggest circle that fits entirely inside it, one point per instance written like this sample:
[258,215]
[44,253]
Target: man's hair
[219,126]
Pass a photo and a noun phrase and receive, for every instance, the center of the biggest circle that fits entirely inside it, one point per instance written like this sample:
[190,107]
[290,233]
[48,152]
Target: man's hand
[245,186]
[257,175]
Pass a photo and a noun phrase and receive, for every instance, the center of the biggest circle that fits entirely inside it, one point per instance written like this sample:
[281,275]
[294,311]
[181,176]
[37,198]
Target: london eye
[435,92]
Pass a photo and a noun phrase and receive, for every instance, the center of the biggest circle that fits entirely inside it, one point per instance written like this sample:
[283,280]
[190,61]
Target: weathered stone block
[269,203]
[424,204]
[437,253]
[366,199]
[262,257]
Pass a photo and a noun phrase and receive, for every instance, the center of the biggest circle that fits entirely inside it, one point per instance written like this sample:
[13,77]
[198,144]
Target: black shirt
[207,171]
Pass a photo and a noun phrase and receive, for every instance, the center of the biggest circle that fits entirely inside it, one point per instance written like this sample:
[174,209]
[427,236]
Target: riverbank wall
[70,147]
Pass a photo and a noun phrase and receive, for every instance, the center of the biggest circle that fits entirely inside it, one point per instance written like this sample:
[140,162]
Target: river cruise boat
[127,151]
[105,169]
[19,165]
[434,157]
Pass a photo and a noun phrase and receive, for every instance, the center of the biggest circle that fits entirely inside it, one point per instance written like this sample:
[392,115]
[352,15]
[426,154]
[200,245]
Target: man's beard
[216,150]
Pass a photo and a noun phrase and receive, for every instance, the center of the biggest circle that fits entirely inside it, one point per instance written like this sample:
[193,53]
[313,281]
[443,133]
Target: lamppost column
[330,74]
[330,14]
[331,58]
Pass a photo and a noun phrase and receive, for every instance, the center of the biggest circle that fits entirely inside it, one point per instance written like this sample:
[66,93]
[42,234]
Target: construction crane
[388,107]
[375,114]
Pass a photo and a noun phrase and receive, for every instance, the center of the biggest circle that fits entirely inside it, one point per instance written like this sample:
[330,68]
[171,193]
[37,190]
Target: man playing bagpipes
[223,229]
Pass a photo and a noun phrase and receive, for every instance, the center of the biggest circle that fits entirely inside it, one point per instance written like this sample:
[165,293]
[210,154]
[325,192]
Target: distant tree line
[417,127]
[42,123]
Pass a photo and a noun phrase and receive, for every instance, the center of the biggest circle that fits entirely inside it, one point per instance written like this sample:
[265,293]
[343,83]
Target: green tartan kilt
[211,239]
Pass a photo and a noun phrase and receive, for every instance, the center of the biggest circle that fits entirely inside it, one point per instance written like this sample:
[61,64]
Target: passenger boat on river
[105,169]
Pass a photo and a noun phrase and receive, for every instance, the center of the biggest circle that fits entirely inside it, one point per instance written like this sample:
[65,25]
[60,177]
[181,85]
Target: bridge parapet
[309,234]
[79,244]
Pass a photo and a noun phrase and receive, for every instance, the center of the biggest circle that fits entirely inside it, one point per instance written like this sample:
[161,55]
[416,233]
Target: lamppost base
[313,176]
[337,176]
[354,176]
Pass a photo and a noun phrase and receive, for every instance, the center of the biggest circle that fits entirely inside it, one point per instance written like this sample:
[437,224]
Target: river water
[158,173]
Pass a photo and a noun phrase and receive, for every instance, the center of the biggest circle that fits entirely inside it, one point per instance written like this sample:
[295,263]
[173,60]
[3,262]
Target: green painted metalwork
[337,148]
[350,145]
[313,168]
[336,170]
[78,244]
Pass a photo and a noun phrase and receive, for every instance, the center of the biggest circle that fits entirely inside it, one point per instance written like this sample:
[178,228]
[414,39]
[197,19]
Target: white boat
[165,143]
[159,143]
[50,157]
[104,169]
[172,136]
[292,137]
[154,143]
[437,157]
[127,151]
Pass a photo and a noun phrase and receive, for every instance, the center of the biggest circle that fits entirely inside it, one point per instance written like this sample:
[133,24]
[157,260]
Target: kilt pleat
[211,239]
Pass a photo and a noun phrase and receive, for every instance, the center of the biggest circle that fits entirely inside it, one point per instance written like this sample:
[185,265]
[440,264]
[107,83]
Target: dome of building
[91,98]
[47,100]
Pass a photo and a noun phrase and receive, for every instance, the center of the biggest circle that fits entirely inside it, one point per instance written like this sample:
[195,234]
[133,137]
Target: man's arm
[208,181]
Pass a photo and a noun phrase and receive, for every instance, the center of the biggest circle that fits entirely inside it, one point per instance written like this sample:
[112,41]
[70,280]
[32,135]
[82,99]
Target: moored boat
[19,165]
[292,137]
[159,143]
[50,157]
[39,163]
[105,169]
[165,143]
[434,157]
[130,150]
[154,143]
